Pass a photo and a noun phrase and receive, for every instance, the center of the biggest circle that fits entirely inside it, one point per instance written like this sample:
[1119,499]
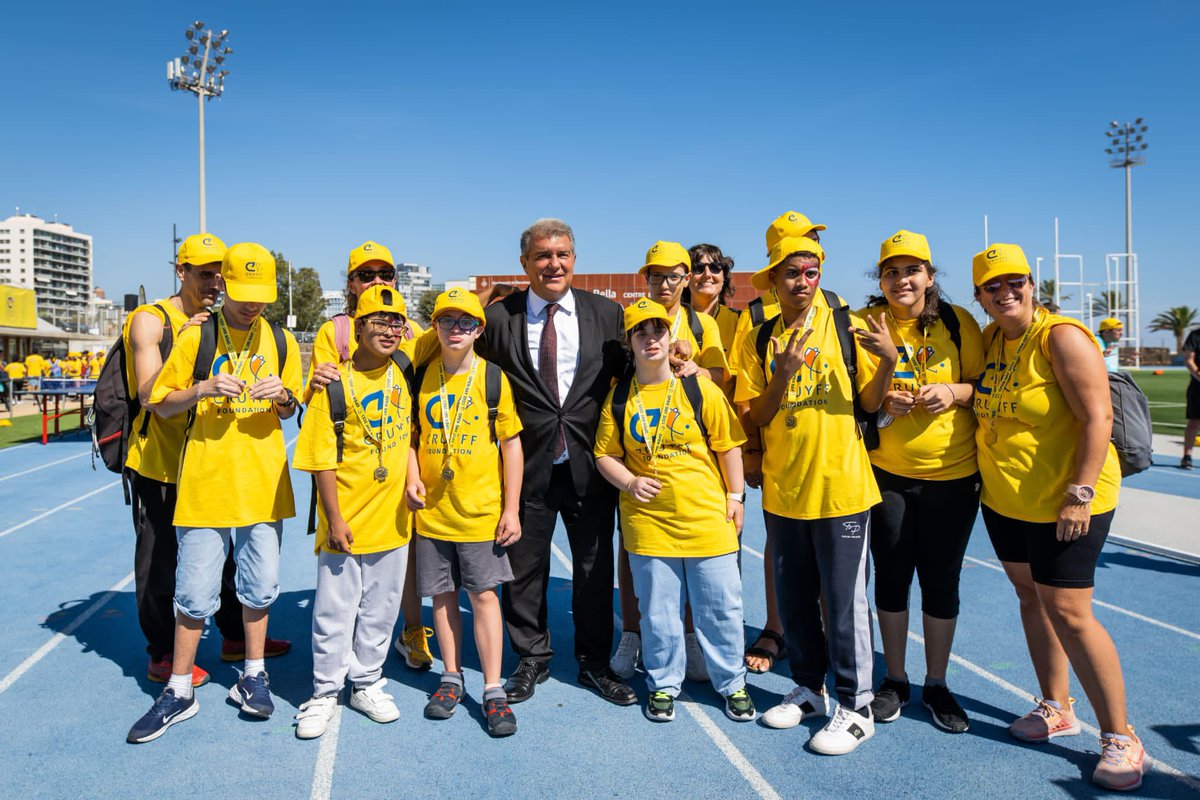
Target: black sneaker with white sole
[660,707]
[947,713]
[889,699]
[167,710]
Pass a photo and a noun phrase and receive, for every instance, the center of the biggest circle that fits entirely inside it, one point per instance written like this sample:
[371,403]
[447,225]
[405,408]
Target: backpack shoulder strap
[949,318]
[207,350]
[406,370]
[492,378]
[341,335]
[168,334]
[757,314]
[762,340]
[281,348]
[417,379]
[620,398]
[696,327]
[691,388]
[336,394]
[841,323]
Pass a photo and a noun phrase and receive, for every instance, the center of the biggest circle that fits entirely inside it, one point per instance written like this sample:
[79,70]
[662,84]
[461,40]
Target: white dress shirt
[566,325]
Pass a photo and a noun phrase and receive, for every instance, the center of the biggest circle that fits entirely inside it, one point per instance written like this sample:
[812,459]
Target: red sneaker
[234,650]
[160,672]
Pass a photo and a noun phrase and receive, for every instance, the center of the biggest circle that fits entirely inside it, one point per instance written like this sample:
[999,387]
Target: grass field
[29,428]
[1166,393]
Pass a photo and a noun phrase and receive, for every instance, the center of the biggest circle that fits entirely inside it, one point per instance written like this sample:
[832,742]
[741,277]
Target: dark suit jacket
[601,359]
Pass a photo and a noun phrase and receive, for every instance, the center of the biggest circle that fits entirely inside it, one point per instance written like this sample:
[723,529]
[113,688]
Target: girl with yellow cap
[926,471]
[709,288]
[1050,485]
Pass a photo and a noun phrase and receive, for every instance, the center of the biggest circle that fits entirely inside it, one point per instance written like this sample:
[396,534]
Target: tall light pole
[1125,142]
[198,73]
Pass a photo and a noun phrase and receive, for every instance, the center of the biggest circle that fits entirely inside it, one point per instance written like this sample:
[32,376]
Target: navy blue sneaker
[253,695]
[166,711]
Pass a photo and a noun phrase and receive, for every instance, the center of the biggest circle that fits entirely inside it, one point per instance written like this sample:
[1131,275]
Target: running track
[72,680]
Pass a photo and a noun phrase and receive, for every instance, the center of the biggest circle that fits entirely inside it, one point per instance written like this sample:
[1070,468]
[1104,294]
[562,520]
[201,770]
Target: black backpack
[867,423]
[691,388]
[116,405]
[757,315]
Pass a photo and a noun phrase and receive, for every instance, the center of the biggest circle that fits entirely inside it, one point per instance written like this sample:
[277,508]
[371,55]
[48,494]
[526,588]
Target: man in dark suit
[561,349]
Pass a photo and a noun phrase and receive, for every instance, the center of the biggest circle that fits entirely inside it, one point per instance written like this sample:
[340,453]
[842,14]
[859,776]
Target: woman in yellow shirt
[1050,485]
[709,288]
[926,471]
[680,472]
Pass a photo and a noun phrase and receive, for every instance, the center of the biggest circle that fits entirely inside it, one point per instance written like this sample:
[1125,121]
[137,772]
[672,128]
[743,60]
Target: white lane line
[1140,617]
[58,638]
[43,466]
[322,784]
[16,447]
[753,552]
[735,756]
[1176,471]
[1155,762]
[67,504]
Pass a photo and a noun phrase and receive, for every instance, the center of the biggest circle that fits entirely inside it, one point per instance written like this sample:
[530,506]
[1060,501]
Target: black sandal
[759,652]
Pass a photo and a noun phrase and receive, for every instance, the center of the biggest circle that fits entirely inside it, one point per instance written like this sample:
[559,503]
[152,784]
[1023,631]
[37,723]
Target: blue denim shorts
[202,558]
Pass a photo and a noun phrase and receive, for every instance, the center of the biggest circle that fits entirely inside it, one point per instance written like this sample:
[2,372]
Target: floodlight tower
[202,75]
[1125,142]
[1126,145]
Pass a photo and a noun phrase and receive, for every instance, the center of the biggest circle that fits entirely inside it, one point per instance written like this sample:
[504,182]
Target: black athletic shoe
[1185,462]
[889,699]
[500,719]
[660,707]
[442,703]
[607,685]
[529,673]
[947,713]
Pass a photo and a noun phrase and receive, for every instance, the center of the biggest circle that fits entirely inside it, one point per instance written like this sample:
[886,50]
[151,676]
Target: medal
[447,474]
[654,443]
[381,474]
[449,428]
[790,421]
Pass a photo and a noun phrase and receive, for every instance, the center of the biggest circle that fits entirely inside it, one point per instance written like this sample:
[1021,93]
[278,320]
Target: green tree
[307,303]
[1175,320]
[424,310]
[1046,292]
[1104,302]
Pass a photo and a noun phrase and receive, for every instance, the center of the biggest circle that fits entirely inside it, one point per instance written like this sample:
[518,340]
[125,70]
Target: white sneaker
[314,716]
[696,669]
[375,703]
[844,732]
[797,705]
[624,662]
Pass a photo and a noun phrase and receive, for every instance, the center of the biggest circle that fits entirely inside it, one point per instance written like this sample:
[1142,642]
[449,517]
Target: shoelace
[841,719]
[1113,751]
[1045,711]
[160,705]
[498,707]
[446,692]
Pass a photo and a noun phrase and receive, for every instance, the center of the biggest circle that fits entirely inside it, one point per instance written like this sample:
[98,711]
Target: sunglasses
[366,275]
[656,279]
[1016,284]
[380,325]
[464,324]
[713,267]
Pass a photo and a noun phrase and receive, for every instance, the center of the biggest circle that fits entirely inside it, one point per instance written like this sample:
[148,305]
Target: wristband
[739,497]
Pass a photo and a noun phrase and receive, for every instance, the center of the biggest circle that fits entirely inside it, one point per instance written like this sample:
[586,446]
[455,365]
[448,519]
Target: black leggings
[921,526]
[1064,565]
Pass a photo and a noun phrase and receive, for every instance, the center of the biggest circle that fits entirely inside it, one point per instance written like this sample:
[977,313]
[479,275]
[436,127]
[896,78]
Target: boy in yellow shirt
[233,479]
[364,526]
[464,483]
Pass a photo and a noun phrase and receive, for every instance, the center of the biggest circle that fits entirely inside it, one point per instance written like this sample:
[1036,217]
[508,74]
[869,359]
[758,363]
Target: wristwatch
[291,401]
[1080,495]
[738,496]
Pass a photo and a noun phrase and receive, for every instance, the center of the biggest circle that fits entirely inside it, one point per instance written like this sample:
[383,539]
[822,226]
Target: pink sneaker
[1045,722]
[1122,763]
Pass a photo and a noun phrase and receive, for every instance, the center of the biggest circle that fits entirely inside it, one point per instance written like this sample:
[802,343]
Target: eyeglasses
[712,266]
[464,324]
[658,279]
[382,325]
[366,275]
[1016,284]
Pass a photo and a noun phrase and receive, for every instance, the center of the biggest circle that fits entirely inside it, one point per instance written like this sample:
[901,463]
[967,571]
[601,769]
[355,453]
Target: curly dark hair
[934,300]
[698,251]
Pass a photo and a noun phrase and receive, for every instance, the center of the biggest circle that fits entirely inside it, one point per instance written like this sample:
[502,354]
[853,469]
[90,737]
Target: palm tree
[1104,302]
[1177,320]
[1046,292]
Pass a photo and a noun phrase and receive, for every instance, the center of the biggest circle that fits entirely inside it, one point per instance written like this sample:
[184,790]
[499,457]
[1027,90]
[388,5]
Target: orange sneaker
[234,650]
[160,672]
[1045,722]
[1122,763]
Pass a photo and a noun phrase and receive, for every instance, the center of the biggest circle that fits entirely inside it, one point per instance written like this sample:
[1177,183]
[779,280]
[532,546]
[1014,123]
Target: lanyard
[448,428]
[915,357]
[675,324]
[361,412]
[237,363]
[654,443]
[1000,385]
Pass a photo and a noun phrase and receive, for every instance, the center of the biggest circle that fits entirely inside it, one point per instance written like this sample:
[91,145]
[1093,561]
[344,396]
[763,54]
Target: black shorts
[1193,399]
[1066,565]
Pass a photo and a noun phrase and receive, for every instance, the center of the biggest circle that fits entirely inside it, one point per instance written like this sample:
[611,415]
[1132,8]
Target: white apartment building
[54,260]
[335,302]
[412,281]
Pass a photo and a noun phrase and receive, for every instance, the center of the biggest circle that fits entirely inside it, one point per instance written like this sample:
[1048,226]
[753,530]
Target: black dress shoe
[529,673]
[607,684]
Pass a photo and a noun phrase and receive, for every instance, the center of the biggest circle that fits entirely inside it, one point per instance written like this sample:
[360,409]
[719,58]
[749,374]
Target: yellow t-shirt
[234,469]
[325,346]
[1027,469]
[466,508]
[727,322]
[35,365]
[687,519]
[376,512]
[72,368]
[745,323]
[711,356]
[817,467]
[15,370]
[156,455]
[937,447]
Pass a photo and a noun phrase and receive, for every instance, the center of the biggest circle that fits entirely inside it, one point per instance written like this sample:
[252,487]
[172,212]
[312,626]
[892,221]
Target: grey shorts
[449,566]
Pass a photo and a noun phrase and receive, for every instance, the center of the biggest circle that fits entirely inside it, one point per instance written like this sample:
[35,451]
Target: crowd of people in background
[442,460]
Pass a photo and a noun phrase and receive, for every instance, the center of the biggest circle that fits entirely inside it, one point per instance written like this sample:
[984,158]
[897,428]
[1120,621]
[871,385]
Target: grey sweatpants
[357,603]
[825,557]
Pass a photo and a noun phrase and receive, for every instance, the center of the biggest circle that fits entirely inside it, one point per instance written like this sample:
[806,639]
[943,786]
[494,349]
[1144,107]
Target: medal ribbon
[238,363]
[675,324]
[920,368]
[1000,385]
[654,443]
[361,412]
[449,429]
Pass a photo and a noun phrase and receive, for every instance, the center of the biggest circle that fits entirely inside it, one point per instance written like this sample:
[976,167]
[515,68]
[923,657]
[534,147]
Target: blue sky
[443,131]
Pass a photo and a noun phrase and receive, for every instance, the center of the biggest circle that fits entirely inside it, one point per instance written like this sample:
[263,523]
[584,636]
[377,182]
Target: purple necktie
[548,368]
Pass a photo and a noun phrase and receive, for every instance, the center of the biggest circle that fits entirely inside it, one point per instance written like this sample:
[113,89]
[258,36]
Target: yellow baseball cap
[642,310]
[459,300]
[201,248]
[666,254]
[997,260]
[249,273]
[369,251]
[1111,324]
[379,298]
[904,243]
[789,224]
[787,246]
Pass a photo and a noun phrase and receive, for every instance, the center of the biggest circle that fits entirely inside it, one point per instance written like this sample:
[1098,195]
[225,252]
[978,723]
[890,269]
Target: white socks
[253,666]
[181,685]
